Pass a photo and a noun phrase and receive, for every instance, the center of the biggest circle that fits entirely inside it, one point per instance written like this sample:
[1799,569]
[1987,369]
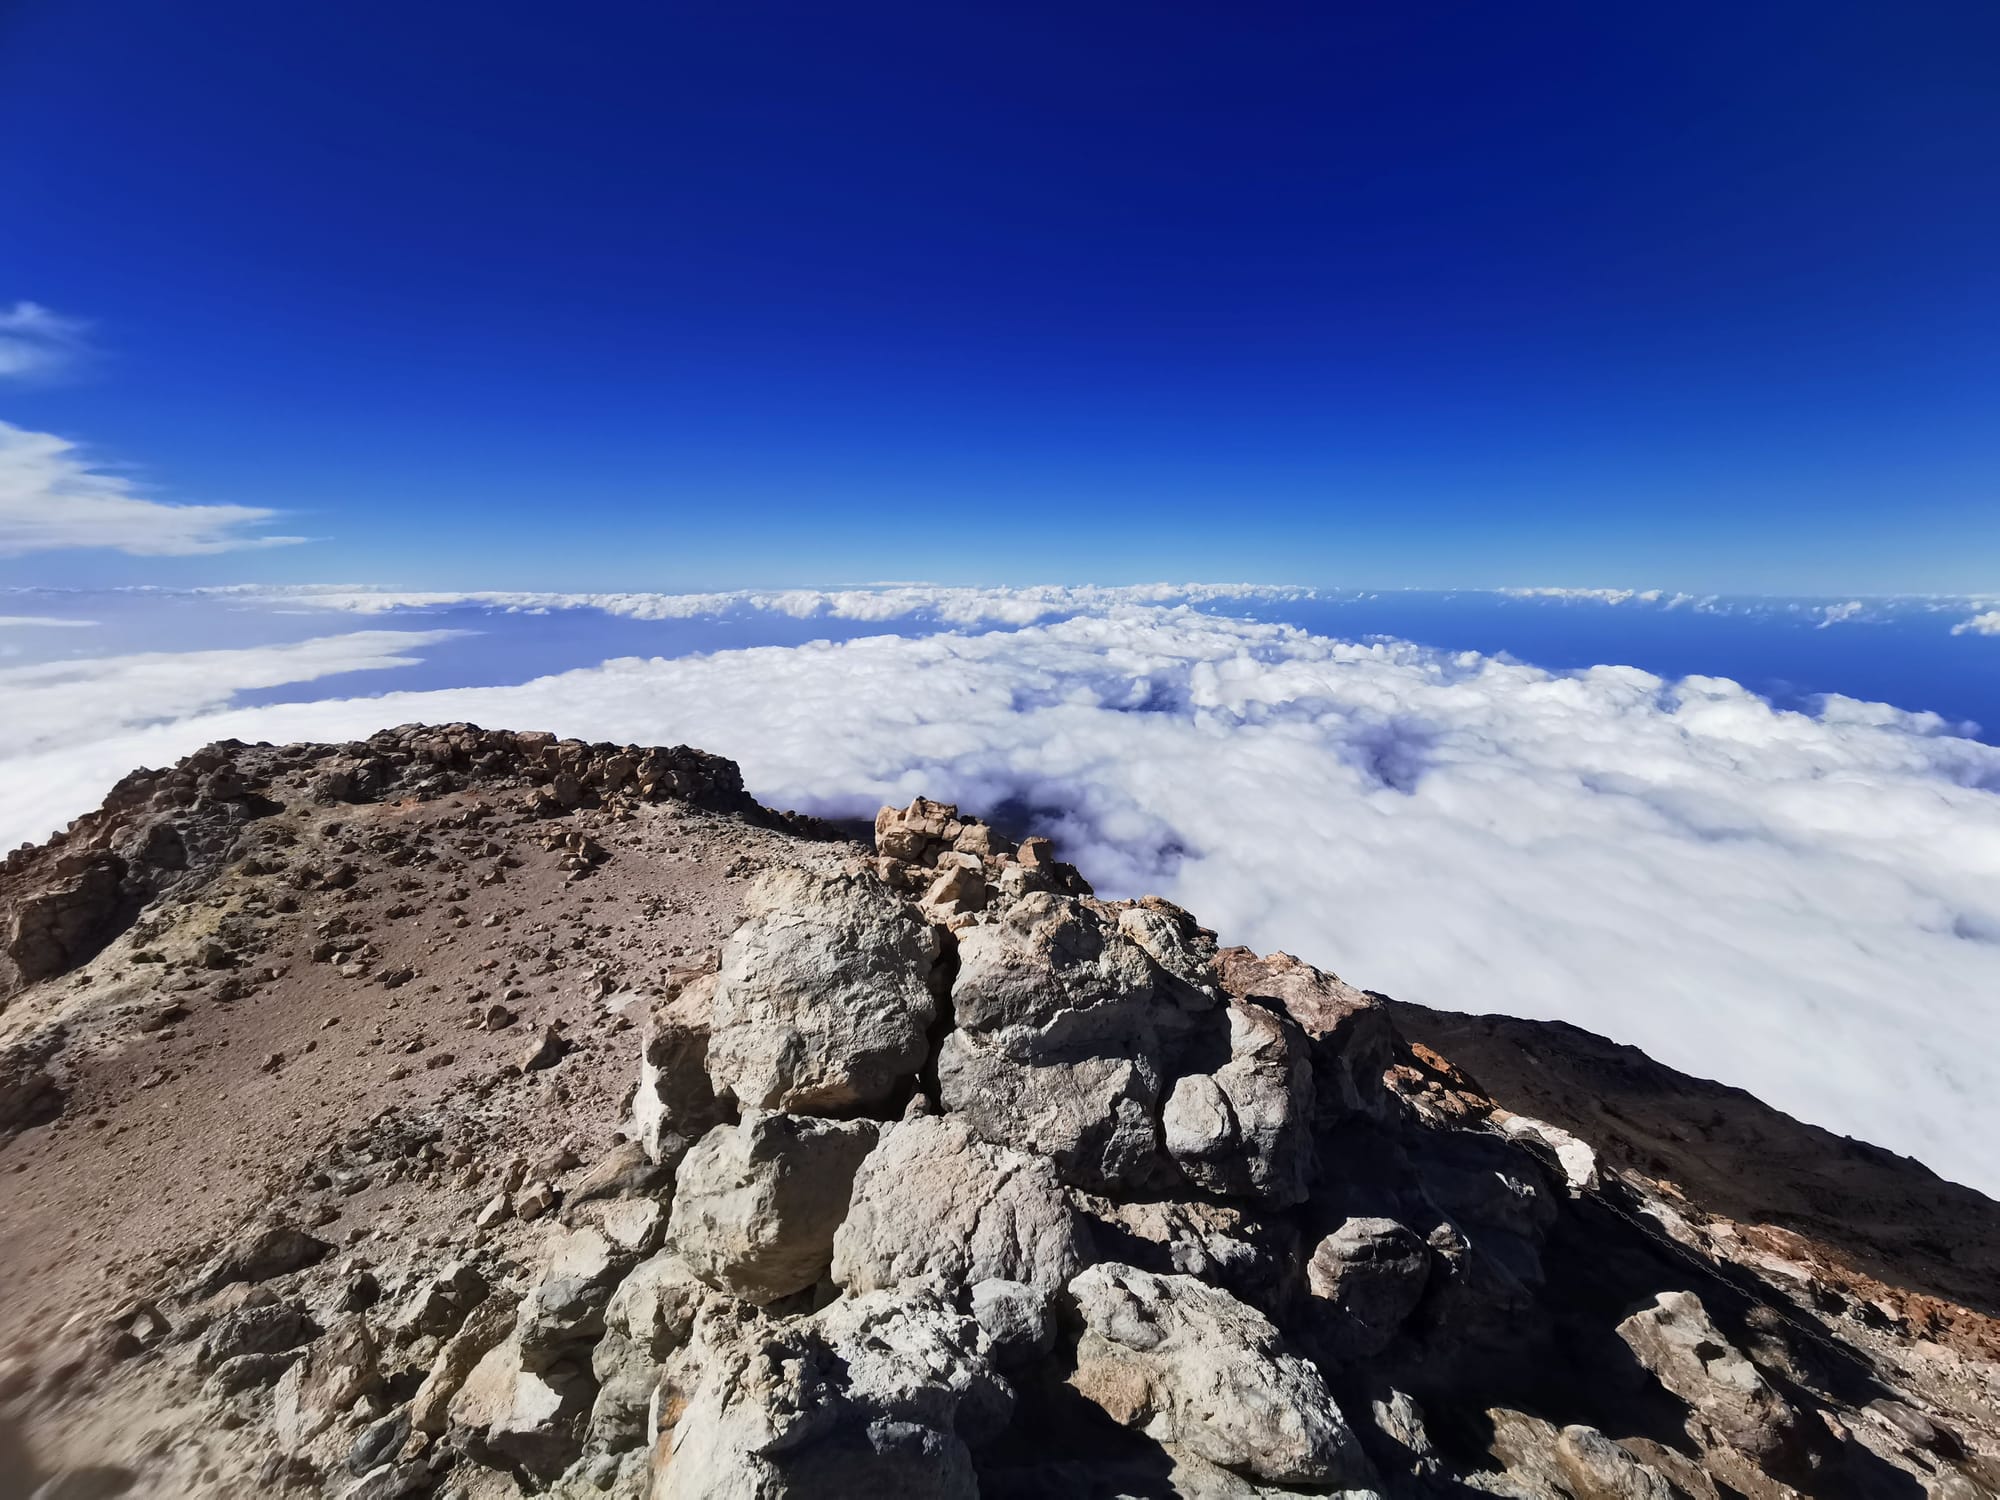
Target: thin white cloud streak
[37,343]
[1986,624]
[41,622]
[1808,907]
[874,603]
[58,705]
[52,499]
[1592,596]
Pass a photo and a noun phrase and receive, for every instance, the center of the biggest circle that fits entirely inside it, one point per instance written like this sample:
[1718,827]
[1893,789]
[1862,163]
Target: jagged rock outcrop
[1062,1040]
[942,1177]
[1354,1044]
[1726,1394]
[1245,1130]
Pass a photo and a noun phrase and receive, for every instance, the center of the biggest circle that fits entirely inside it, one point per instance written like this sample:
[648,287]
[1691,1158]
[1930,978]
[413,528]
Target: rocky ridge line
[945,1177]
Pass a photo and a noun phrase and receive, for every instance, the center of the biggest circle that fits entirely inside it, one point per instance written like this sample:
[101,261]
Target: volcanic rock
[757,1204]
[823,1000]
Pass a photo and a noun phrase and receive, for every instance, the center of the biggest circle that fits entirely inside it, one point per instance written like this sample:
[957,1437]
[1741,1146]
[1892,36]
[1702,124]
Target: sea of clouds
[1804,905]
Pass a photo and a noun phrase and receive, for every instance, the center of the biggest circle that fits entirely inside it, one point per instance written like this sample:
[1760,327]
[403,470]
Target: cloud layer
[51,499]
[1805,906]
[875,603]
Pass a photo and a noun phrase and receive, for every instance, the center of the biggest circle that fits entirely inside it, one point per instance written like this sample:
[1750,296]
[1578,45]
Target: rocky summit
[477,1114]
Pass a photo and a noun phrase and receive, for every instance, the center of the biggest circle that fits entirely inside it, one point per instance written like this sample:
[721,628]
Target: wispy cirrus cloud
[52,498]
[37,343]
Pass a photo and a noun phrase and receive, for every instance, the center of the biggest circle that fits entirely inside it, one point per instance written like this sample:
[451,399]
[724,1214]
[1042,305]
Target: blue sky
[700,296]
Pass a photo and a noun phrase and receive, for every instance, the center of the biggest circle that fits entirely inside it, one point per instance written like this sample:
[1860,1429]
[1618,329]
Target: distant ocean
[1900,652]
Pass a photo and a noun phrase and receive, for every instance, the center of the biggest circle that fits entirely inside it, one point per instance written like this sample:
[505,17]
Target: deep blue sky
[700,295]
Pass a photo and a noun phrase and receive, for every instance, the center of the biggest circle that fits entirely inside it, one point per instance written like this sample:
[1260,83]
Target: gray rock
[262,1253]
[1188,1364]
[1172,938]
[1595,1468]
[605,1476]
[882,1395]
[337,1370]
[1064,1024]
[933,1198]
[655,1305]
[56,929]
[507,1415]
[626,1378]
[756,1204]
[1365,1279]
[30,1080]
[1193,1477]
[1245,1130]
[486,1326]
[675,1104]
[1678,1342]
[246,1372]
[650,1315]
[378,1442]
[1573,1463]
[265,1329]
[1252,1256]
[737,1403]
[627,1169]
[1352,1040]
[1400,1421]
[824,998]
[1018,1320]
[438,1306]
[392,1482]
[1574,1158]
[564,1311]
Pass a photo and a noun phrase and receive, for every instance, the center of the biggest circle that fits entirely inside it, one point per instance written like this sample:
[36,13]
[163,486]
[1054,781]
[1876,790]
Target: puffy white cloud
[872,603]
[36,342]
[1808,907]
[52,499]
[1985,624]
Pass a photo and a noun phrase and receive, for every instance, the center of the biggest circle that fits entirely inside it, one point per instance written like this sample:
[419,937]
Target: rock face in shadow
[1806,1190]
[933,1174]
